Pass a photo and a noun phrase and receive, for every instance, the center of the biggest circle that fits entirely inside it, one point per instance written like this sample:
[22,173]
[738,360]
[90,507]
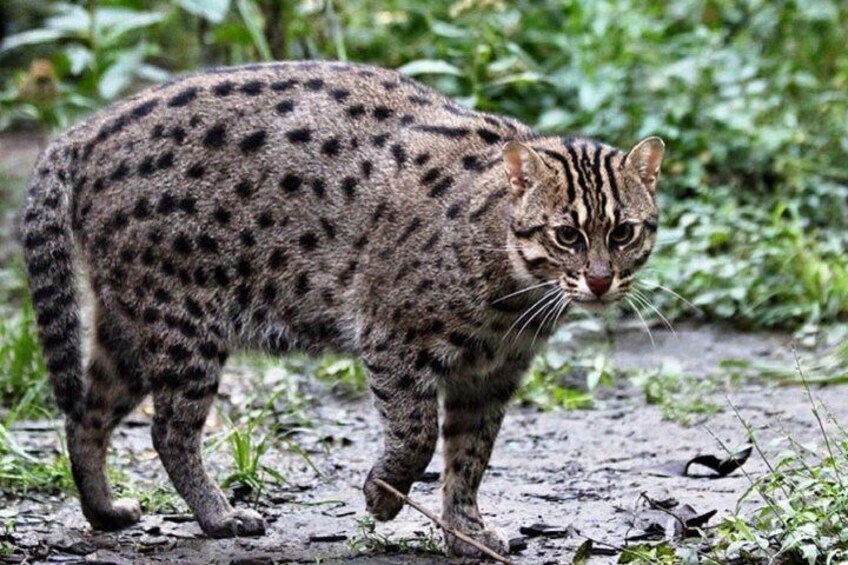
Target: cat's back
[294,136]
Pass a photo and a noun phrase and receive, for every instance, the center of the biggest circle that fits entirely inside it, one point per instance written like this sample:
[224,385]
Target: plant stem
[448,529]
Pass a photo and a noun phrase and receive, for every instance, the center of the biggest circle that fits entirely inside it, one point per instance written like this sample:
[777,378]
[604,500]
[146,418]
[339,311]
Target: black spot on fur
[380,139]
[178,134]
[247,238]
[195,171]
[215,137]
[285,107]
[165,160]
[451,132]
[488,136]
[224,88]
[222,215]
[299,135]
[349,185]
[399,153]
[329,228]
[265,220]
[421,159]
[319,187]
[382,113]
[182,244]
[441,187]
[188,205]
[207,243]
[283,85]
[366,167]
[430,176]
[141,209]
[277,259]
[314,84]
[331,147]
[121,171]
[252,88]
[244,189]
[302,283]
[339,94]
[308,241]
[167,203]
[419,100]
[356,111]
[144,109]
[291,182]
[253,142]
[183,98]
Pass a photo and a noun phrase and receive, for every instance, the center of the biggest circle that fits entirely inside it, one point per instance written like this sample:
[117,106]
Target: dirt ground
[580,471]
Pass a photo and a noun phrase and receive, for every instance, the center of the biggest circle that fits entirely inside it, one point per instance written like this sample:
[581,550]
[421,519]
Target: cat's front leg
[406,399]
[472,421]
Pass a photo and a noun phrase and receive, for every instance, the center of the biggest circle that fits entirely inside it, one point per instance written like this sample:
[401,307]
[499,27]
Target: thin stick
[459,535]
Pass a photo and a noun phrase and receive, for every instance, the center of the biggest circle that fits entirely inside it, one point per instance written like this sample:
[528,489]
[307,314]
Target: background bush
[750,96]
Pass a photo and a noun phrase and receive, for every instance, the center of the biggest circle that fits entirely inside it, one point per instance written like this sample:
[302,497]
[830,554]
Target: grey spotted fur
[318,207]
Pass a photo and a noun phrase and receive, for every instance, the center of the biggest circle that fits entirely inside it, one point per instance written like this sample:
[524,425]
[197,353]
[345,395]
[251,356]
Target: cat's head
[584,214]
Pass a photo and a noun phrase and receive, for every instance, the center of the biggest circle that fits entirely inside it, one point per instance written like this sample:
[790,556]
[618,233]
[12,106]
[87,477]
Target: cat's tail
[47,239]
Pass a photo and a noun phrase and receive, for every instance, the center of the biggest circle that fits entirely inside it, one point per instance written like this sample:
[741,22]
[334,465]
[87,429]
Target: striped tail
[48,246]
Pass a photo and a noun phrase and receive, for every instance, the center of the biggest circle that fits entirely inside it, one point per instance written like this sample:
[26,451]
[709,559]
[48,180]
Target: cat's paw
[493,539]
[380,503]
[123,513]
[237,522]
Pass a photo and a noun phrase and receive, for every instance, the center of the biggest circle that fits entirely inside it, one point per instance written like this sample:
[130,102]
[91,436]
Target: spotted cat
[305,206]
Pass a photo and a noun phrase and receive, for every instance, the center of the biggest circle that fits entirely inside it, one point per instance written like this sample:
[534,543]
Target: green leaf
[79,57]
[31,37]
[120,73]
[429,67]
[253,20]
[213,10]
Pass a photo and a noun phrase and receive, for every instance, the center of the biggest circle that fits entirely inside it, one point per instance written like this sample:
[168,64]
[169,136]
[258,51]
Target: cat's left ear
[645,159]
[522,166]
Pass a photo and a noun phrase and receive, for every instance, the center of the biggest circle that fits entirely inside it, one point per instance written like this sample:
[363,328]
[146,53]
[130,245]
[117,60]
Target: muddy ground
[582,470]
[579,471]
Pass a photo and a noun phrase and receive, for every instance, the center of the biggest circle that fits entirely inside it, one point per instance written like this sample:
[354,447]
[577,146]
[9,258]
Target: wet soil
[580,471]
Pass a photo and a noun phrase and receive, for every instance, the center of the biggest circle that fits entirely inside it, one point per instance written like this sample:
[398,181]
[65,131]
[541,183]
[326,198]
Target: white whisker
[644,300]
[669,291]
[528,311]
[642,318]
[551,300]
[522,291]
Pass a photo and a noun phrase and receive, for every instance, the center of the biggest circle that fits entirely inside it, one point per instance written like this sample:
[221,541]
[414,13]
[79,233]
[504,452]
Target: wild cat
[305,206]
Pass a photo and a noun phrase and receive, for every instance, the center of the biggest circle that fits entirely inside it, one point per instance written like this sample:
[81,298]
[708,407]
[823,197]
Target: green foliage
[683,399]
[346,375]
[23,384]
[802,508]
[565,383]
[369,540]
[750,97]
[21,472]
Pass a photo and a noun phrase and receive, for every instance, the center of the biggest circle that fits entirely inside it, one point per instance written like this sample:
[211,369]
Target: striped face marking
[586,214]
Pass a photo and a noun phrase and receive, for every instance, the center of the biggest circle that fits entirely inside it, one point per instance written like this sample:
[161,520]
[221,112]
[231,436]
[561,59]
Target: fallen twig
[448,529]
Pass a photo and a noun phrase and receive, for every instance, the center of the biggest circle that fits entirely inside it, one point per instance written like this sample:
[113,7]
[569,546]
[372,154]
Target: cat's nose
[599,285]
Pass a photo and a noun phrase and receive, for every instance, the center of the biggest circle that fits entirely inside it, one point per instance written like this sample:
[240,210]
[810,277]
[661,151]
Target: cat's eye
[622,234]
[568,236]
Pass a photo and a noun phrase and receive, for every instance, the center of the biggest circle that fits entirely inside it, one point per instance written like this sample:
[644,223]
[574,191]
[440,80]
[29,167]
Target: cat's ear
[522,166]
[645,160]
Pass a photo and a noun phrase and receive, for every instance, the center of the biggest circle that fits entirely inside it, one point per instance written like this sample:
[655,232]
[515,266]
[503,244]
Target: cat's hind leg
[113,389]
[184,387]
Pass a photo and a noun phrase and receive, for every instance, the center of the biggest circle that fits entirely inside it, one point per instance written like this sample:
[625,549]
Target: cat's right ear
[522,166]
